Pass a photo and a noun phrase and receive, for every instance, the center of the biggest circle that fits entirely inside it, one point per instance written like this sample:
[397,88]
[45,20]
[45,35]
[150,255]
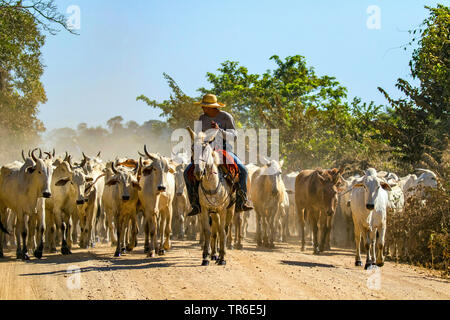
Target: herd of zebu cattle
[48,201]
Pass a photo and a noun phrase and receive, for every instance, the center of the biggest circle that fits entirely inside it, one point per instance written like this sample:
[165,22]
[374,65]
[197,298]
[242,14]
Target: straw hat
[210,100]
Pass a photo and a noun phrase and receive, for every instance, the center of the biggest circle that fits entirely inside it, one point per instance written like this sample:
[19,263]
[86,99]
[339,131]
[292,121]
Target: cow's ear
[30,169]
[171,169]
[112,182]
[358,185]
[281,163]
[62,182]
[136,185]
[386,186]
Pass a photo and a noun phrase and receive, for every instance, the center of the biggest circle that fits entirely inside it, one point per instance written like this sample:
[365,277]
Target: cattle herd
[49,202]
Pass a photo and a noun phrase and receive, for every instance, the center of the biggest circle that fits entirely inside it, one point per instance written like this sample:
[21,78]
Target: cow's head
[427,179]
[89,164]
[76,176]
[372,186]
[126,181]
[330,183]
[159,169]
[272,169]
[42,172]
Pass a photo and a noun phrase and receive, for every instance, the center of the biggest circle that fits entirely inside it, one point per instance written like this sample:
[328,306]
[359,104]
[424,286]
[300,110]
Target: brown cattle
[316,194]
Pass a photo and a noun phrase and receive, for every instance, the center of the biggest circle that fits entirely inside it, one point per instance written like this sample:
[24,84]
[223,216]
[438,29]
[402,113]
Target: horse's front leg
[222,238]
[206,230]
[214,233]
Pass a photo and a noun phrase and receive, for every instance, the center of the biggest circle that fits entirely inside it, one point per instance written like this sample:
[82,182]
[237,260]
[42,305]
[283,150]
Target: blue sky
[125,46]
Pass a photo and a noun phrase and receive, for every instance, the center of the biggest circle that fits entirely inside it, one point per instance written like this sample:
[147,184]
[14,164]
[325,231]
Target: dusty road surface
[281,273]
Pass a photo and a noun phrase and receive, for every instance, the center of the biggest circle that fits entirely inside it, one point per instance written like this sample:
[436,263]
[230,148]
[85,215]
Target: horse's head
[206,158]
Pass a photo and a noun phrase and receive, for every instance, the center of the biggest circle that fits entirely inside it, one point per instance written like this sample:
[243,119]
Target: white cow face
[372,186]
[273,169]
[427,179]
[42,173]
[158,170]
[82,183]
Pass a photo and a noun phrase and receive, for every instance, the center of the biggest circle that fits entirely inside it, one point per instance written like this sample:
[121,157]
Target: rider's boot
[242,203]
[195,202]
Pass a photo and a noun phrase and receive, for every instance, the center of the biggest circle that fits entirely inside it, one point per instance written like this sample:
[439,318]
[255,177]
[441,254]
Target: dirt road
[282,273]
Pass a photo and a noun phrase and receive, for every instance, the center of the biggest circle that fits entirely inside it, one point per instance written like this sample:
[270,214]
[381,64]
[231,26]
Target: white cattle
[182,206]
[156,196]
[89,211]
[20,189]
[267,193]
[88,181]
[120,202]
[283,220]
[62,210]
[411,183]
[343,222]
[368,202]
[251,168]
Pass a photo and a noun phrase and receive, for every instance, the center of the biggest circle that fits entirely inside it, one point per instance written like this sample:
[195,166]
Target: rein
[213,192]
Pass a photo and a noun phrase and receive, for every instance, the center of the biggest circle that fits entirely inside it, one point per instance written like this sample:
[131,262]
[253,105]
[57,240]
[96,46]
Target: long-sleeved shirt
[226,127]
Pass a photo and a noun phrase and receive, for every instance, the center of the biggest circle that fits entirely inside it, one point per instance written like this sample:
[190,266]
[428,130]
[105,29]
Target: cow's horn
[33,156]
[54,152]
[49,155]
[98,154]
[136,169]
[66,156]
[69,160]
[139,172]
[23,156]
[423,170]
[83,162]
[148,154]
[113,167]
[141,154]
[40,153]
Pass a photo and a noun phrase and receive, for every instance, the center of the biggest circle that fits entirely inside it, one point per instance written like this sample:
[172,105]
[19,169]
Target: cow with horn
[20,189]
[157,184]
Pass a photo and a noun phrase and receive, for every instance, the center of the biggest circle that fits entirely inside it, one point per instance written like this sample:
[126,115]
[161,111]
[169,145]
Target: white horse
[215,196]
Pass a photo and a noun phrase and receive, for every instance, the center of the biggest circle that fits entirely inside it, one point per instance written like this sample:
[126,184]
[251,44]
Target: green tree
[317,127]
[316,124]
[21,91]
[179,109]
[418,124]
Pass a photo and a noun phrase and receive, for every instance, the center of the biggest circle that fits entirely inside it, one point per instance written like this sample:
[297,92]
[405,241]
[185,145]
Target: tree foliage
[21,68]
[418,124]
[317,127]
[179,110]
